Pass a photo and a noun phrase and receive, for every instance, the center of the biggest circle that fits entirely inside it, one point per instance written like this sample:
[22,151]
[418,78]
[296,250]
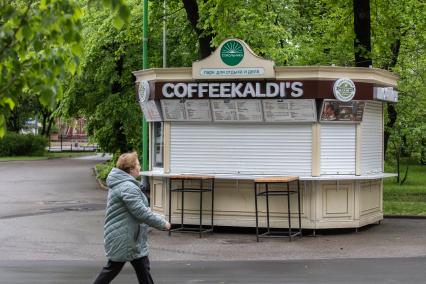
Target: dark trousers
[111,270]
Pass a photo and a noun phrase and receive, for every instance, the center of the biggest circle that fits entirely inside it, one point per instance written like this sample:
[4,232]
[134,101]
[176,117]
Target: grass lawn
[48,155]
[409,198]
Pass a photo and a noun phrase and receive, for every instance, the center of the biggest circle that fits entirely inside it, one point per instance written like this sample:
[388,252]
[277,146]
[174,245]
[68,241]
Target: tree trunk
[392,115]
[204,39]
[43,124]
[13,122]
[49,126]
[362,42]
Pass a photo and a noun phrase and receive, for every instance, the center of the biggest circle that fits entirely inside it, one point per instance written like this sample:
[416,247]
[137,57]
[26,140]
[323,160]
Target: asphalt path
[388,270]
[51,228]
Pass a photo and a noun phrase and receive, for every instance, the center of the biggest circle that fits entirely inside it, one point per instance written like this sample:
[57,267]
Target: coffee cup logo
[232,52]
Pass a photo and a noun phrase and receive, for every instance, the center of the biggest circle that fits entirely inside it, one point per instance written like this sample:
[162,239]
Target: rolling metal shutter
[371,141]
[238,148]
[337,149]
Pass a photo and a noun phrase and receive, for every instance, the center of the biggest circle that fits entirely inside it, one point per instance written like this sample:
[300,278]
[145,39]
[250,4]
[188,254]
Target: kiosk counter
[237,118]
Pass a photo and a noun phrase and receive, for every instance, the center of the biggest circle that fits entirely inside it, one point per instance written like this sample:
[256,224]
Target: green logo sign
[344,89]
[232,53]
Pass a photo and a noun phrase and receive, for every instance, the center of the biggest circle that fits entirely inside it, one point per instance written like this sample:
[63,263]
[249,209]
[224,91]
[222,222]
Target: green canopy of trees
[107,48]
[40,47]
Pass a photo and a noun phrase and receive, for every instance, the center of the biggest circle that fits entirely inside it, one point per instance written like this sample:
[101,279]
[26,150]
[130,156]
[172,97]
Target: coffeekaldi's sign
[291,89]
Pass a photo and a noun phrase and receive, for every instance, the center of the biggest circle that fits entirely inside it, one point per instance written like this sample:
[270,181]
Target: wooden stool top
[191,177]
[277,179]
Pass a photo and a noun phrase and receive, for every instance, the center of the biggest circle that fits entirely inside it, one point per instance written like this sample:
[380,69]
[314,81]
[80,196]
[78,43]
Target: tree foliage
[104,93]
[289,32]
[39,45]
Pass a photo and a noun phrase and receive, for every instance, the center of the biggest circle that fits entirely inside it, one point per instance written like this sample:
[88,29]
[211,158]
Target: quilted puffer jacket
[127,218]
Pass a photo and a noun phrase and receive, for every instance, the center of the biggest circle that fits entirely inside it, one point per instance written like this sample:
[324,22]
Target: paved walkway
[53,211]
[362,271]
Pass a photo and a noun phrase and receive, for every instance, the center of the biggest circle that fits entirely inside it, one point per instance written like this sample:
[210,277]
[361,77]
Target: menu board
[186,110]
[249,110]
[333,110]
[151,111]
[198,110]
[289,110]
[237,110]
[224,110]
[173,110]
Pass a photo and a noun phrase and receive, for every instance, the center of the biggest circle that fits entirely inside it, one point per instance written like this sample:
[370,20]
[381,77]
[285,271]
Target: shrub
[13,144]
[103,170]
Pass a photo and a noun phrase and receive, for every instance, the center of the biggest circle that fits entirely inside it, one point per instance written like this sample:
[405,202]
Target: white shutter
[337,149]
[371,141]
[241,148]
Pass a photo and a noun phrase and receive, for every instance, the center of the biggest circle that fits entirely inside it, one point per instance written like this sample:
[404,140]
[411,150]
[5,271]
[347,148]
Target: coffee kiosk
[236,117]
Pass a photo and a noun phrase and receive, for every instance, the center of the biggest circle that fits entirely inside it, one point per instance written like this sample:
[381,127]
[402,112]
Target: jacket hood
[117,176]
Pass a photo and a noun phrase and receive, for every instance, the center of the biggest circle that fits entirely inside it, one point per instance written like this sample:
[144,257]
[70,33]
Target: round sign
[232,52]
[344,89]
[143,92]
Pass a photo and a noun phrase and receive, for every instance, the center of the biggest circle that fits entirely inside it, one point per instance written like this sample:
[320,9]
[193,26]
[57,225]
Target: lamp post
[145,160]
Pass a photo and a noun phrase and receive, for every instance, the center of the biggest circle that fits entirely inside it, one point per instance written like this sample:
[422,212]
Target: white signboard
[173,110]
[151,111]
[249,110]
[232,71]
[385,94]
[186,110]
[289,110]
[237,110]
[198,110]
[224,110]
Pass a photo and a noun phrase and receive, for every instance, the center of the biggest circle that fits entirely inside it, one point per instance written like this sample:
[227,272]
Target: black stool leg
[201,206]
[255,210]
[212,185]
[267,207]
[298,205]
[170,204]
[289,211]
[182,202]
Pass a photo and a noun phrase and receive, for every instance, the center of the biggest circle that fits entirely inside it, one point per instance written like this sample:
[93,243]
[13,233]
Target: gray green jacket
[127,218]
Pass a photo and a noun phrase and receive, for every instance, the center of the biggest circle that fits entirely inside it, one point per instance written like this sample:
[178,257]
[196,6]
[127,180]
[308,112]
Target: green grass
[23,158]
[48,155]
[409,198]
[68,154]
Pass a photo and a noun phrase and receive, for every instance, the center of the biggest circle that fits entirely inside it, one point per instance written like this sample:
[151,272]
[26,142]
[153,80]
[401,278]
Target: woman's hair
[127,161]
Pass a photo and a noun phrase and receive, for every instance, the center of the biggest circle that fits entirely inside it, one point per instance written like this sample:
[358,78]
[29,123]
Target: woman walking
[126,222]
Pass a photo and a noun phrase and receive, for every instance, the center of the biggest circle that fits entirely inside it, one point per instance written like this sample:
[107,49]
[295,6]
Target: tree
[205,36]
[24,110]
[38,47]
[104,92]
[362,29]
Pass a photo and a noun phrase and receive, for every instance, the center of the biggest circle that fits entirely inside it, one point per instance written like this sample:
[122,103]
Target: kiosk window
[158,145]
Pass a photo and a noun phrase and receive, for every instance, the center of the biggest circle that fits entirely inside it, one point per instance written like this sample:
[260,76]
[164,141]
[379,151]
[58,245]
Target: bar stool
[182,178]
[285,191]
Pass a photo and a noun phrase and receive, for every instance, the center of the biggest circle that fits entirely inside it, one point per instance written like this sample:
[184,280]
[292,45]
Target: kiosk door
[241,148]
[372,138]
[337,149]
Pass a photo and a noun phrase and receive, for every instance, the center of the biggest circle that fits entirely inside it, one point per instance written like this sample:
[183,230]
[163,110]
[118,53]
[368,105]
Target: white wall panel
[371,141]
[337,149]
[237,148]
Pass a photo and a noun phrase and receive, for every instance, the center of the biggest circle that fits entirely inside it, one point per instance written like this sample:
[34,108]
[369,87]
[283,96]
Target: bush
[103,170]
[13,144]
